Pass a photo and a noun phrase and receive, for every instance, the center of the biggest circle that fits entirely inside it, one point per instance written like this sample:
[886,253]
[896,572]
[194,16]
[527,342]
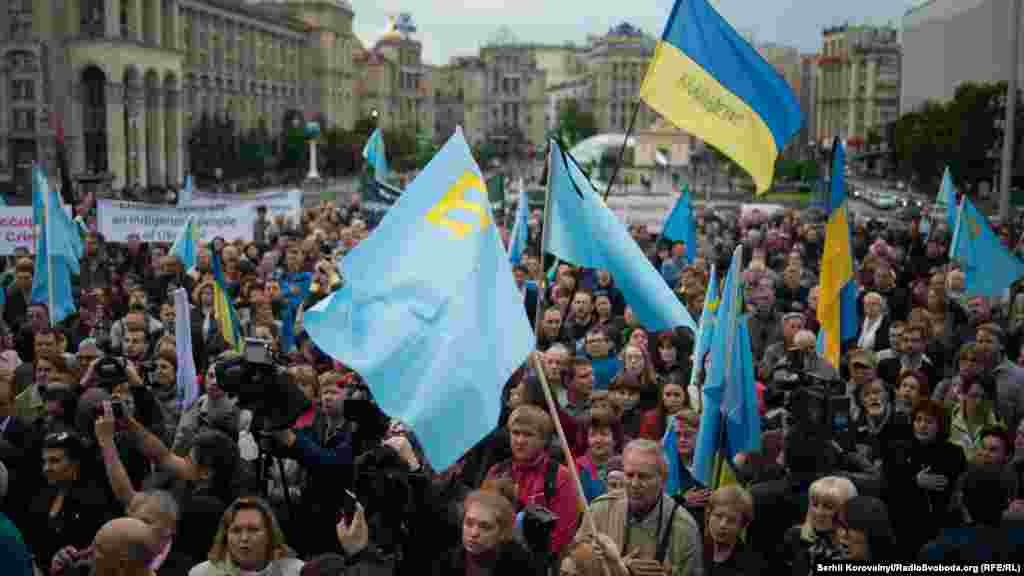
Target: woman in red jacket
[673,398]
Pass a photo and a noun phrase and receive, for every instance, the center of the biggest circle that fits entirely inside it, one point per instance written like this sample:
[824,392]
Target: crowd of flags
[436,326]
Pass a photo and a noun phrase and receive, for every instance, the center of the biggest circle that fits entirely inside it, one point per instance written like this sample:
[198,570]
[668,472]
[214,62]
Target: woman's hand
[354,536]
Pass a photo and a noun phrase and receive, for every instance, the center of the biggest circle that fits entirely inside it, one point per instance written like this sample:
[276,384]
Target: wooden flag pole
[535,358]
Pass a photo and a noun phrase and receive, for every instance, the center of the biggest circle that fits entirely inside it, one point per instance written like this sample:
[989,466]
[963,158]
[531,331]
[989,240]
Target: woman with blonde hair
[249,540]
[816,541]
[730,510]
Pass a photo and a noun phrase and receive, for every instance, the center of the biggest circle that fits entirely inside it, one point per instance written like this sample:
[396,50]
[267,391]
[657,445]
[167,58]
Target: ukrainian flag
[223,309]
[837,304]
[709,81]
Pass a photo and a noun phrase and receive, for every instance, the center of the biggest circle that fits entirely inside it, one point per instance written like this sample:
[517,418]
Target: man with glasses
[655,535]
[598,347]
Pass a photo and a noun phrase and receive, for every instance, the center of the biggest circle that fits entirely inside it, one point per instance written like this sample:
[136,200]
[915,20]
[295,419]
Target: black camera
[538,524]
[819,411]
[111,371]
[260,384]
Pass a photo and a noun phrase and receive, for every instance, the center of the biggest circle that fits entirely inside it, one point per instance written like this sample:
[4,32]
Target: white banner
[161,223]
[16,229]
[286,202]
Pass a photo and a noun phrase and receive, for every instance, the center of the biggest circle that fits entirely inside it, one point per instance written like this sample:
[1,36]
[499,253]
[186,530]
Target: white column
[116,145]
[112,19]
[173,112]
[313,174]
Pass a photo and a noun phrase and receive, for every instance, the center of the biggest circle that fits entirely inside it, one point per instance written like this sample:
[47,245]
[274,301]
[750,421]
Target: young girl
[672,399]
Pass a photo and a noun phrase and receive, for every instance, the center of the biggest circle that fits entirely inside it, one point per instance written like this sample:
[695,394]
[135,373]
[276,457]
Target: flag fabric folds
[947,197]
[681,225]
[706,329]
[58,250]
[224,310]
[990,269]
[582,230]
[187,384]
[730,423]
[374,153]
[521,229]
[429,314]
[706,79]
[185,197]
[186,245]
[837,303]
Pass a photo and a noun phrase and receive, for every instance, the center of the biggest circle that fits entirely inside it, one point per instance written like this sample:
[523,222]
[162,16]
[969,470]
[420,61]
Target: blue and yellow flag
[730,423]
[186,245]
[223,309]
[681,226]
[582,230]
[837,303]
[429,313]
[521,229]
[706,329]
[58,250]
[706,79]
[374,154]
[990,269]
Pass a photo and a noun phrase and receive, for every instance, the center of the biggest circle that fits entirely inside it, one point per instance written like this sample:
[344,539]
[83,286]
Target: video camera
[260,384]
[822,411]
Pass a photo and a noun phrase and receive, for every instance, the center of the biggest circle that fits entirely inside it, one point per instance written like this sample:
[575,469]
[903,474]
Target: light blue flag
[582,230]
[947,197]
[706,330]
[681,226]
[186,245]
[187,383]
[521,229]
[185,197]
[374,154]
[58,249]
[730,395]
[988,266]
[429,314]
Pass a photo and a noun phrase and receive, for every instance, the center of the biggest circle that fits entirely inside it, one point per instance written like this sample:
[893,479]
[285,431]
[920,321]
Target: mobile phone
[348,506]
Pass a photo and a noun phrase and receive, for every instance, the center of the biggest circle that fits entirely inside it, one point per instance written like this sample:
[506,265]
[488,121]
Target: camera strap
[666,537]
[550,479]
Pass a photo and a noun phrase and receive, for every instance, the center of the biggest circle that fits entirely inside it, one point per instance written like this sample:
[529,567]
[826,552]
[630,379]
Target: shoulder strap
[550,480]
[666,537]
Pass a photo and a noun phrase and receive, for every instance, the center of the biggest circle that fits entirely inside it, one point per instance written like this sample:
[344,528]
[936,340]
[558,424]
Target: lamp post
[312,133]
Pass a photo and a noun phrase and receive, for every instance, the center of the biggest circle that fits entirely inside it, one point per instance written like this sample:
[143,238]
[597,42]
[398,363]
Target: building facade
[395,85]
[949,42]
[616,64]
[808,103]
[858,83]
[128,79]
[786,60]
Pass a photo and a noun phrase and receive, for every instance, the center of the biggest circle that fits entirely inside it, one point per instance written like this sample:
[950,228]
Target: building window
[23,120]
[92,18]
[22,90]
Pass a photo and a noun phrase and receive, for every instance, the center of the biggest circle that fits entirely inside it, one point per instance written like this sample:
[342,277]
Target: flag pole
[622,150]
[538,314]
[569,460]
[730,342]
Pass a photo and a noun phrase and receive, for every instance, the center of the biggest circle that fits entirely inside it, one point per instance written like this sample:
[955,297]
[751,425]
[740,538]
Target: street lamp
[376,117]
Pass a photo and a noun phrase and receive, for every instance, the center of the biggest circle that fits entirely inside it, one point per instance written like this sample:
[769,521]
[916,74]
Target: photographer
[800,365]
[325,449]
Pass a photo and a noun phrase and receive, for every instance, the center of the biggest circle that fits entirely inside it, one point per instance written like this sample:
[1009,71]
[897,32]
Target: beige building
[663,145]
[395,84]
[858,83]
[497,96]
[786,61]
[616,64]
[129,78]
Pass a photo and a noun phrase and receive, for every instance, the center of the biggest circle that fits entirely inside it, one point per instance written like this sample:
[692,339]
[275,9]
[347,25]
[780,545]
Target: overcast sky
[452,28]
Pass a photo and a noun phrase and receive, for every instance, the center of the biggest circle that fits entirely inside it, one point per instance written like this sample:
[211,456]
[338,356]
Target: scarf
[867,332]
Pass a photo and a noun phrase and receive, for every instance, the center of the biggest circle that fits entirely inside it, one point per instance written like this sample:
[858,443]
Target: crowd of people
[104,470]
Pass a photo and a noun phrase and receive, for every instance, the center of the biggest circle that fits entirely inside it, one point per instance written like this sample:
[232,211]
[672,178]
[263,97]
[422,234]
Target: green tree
[575,124]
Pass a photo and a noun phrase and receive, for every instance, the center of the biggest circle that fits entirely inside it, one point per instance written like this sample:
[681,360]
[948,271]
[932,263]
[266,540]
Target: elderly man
[792,323]
[654,534]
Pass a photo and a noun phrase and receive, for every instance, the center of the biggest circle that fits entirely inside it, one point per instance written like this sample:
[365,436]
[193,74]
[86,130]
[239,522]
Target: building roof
[275,14]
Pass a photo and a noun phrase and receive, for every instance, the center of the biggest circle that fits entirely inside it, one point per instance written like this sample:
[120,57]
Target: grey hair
[651,447]
[559,348]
